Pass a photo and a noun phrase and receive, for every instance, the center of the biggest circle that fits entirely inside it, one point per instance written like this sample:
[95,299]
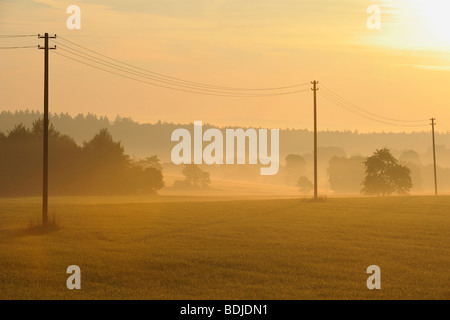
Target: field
[227,248]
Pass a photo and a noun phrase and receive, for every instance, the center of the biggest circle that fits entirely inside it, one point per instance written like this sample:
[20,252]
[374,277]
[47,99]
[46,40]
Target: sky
[398,72]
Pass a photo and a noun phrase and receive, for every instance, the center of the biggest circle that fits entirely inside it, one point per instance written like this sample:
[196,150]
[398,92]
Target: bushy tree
[194,178]
[304,185]
[105,165]
[411,159]
[385,176]
[145,180]
[410,156]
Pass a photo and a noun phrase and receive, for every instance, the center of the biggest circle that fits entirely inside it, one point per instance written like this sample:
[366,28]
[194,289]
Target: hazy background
[341,156]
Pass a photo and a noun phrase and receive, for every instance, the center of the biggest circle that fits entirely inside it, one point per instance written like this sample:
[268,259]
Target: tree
[411,159]
[194,178]
[304,185]
[145,179]
[21,161]
[410,156]
[151,162]
[105,165]
[385,176]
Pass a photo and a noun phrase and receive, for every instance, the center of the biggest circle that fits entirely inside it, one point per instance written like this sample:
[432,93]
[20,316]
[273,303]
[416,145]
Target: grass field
[219,248]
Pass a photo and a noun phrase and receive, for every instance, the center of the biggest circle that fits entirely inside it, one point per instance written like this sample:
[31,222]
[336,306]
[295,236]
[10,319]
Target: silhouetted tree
[410,156]
[105,165]
[146,175]
[304,185]
[152,180]
[21,161]
[64,158]
[411,159]
[194,178]
[151,162]
[384,175]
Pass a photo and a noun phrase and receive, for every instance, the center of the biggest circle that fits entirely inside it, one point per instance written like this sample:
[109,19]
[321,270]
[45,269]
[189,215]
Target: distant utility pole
[433,123]
[315,83]
[45,162]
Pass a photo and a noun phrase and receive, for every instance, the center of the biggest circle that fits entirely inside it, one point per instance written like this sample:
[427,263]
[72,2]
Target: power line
[21,47]
[186,81]
[354,106]
[350,109]
[444,126]
[241,95]
[143,75]
[178,84]
[115,66]
[344,106]
[17,35]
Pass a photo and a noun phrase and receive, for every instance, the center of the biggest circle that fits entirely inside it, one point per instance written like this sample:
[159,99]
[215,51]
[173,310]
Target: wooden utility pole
[45,133]
[315,83]
[433,123]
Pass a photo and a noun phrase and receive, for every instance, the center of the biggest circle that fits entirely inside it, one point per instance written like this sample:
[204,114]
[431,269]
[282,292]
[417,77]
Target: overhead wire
[143,75]
[361,114]
[9,36]
[133,72]
[167,77]
[354,106]
[17,35]
[223,94]
[444,126]
[92,58]
[18,47]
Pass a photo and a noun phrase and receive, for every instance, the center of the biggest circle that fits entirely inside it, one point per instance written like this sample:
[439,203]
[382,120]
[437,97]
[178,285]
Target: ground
[224,248]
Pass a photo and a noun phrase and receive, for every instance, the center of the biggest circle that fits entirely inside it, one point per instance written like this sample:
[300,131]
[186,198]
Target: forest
[97,167]
[99,156]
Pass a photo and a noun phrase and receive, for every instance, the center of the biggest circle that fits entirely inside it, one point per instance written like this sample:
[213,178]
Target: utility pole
[315,83]
[433,123]
[314,88]
[45,162]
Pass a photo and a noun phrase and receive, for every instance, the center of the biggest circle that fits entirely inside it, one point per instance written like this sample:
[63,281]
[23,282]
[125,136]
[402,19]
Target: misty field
[220,248]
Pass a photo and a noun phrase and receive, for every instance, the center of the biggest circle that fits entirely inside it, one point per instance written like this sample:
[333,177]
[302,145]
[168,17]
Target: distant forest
[100,156]
[139,140]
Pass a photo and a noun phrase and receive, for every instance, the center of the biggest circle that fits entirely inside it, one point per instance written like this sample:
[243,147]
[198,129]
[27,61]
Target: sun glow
[434,16]
[415,25]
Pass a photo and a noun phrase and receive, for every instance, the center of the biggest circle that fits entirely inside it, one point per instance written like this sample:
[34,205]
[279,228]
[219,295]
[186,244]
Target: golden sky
[401,71]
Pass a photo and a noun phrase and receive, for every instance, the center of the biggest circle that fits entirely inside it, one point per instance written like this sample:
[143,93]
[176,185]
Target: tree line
[139,138]
[97,167]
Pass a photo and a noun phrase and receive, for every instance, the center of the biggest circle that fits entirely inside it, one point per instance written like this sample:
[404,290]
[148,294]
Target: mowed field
[220,248]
